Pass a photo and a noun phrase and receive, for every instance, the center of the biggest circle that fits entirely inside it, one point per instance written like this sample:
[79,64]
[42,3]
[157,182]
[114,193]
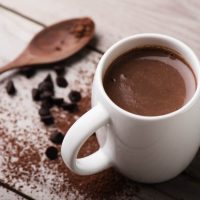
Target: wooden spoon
[55,43]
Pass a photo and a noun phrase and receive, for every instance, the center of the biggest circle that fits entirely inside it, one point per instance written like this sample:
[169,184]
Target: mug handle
[76,136]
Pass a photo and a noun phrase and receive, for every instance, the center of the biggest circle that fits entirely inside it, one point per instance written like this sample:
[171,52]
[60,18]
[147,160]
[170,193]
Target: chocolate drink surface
[149,81]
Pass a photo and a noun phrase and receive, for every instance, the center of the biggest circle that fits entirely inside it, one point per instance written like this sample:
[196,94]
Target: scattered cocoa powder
[24,140]
[107,184]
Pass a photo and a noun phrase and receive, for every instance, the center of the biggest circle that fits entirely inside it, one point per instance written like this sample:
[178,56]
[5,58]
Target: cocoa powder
[24,140]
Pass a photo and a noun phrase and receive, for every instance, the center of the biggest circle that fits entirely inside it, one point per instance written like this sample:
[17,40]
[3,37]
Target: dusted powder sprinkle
[24,140]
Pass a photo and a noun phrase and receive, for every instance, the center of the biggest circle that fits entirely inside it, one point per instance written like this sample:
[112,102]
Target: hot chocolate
[150,81]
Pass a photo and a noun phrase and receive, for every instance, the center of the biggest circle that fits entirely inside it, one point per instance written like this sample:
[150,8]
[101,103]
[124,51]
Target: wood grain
[185,186]
[6,194]
[116,19]
[15,33]
[194,168]
[182,187]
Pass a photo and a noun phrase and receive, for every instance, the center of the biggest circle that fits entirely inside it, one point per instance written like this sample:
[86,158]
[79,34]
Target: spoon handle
[19,62]
[7,67]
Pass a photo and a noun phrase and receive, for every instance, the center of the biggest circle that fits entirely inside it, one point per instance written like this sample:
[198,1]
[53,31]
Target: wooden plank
[18,33]
[193,169]
[116,19]
[24,139]
[145,192]
[182,187]
[176,18]
[6,194]
[133,190]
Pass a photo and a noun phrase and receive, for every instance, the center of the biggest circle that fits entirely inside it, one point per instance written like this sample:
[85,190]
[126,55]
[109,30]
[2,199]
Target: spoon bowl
[55,43]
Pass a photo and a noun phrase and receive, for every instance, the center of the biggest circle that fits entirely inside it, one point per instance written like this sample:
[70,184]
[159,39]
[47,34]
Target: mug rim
[185,107]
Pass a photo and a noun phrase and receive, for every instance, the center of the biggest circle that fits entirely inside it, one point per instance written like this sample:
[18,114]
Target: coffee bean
[35,94]
[47,119]
[10,88]
[61,81]
[60,70]
[44,111]
[58,101]
[57,137]
[52,153]
[47,103]
[28,73]
[74,96]
[71,107]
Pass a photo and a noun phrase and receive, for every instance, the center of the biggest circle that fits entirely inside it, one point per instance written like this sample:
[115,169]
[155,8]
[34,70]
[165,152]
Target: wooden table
[21,19]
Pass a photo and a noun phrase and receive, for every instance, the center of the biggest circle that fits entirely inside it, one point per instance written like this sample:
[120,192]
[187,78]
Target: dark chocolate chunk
[58,101]
[52,153]
[48,79]
[47,103]
[44,111]
[47,119]
[74,96]
[45,86]
[60,70]
[71,107]
[28,73]
[46,95]
[10,88]
[57,137]
[61,81]
[35,94]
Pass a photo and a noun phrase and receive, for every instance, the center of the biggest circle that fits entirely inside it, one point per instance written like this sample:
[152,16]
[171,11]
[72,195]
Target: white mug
[144,148]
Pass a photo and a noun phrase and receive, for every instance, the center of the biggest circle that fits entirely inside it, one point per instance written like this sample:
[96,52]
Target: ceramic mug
[144,148]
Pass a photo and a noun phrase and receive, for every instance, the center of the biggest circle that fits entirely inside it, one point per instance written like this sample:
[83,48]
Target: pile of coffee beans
[44,94]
